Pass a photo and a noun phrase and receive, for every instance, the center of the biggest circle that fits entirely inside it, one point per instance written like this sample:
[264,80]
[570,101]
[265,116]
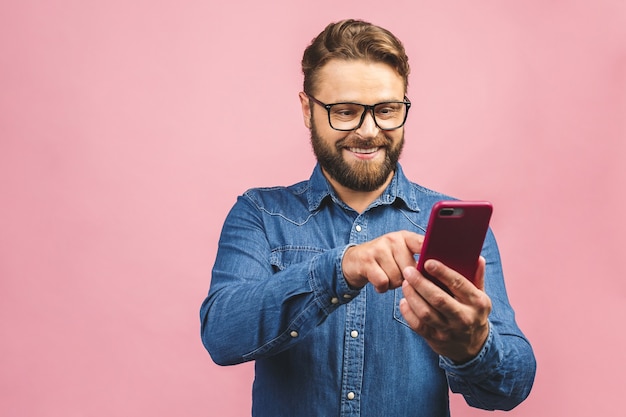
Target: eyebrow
[377,102]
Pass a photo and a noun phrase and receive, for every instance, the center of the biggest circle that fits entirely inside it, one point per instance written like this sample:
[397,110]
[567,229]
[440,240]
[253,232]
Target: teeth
[362,150]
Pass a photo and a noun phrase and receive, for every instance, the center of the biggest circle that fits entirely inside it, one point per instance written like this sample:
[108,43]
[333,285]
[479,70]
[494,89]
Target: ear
[306,109]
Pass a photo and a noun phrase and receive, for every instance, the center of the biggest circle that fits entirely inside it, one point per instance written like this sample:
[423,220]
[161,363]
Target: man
[317,282]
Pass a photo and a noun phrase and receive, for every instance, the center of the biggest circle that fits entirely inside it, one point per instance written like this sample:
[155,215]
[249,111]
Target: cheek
[396,137]
[328,135]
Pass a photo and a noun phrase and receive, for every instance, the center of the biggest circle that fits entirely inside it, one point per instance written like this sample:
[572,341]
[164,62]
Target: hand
[381,260]
[456,327]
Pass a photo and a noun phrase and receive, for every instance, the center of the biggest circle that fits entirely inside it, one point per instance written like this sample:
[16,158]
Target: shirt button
[294,334]
[351,395]
[358,228]
[347,296]
[334,300]
[354,334]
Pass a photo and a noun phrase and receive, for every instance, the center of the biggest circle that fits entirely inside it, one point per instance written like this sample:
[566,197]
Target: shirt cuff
[328,283]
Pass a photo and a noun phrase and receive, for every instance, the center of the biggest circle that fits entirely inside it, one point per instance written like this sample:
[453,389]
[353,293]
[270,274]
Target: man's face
[365,158]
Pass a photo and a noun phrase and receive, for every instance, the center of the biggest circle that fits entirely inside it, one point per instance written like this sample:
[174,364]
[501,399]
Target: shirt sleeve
[255,310]
[501,376]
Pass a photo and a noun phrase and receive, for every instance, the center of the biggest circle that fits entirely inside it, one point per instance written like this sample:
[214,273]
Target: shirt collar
[400,189]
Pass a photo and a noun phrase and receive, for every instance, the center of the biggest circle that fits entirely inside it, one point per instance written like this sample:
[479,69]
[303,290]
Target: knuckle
[456,282]
[442,337]
[439,300]
[424,315]
[483,304]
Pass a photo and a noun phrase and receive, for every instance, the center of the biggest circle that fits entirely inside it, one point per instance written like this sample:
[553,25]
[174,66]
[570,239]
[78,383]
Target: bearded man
[316,282]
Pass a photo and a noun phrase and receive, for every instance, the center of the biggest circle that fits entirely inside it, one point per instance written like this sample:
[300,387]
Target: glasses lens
[347,116]
[390,115]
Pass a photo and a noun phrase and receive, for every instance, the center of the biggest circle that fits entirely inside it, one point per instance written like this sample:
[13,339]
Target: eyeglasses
[388,115]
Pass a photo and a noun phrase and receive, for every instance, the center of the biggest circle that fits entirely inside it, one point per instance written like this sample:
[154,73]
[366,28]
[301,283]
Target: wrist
[476,347]
[350,274]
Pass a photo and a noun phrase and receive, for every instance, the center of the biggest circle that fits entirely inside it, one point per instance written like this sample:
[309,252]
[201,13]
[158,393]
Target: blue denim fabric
[278,297]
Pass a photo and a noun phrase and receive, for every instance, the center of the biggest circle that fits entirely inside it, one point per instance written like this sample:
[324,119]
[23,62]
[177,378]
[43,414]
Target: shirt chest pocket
[285,256]
[397,315]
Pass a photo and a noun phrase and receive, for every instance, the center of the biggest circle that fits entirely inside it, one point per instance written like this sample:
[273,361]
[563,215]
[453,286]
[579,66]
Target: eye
[345,111]
[386,110]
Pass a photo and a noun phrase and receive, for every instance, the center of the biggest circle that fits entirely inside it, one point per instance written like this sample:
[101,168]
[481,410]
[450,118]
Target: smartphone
[455,235]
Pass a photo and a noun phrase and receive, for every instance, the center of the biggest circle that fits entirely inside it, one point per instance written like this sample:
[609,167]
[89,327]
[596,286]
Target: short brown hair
[350,40]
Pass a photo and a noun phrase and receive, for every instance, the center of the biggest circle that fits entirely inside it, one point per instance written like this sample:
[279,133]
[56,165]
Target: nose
[368,128]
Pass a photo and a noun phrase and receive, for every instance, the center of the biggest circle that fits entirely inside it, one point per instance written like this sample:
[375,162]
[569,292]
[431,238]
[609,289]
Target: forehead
[358,80]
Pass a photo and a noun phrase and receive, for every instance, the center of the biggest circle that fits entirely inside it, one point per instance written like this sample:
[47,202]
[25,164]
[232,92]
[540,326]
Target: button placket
[358,234]
[354,353]
[354,344]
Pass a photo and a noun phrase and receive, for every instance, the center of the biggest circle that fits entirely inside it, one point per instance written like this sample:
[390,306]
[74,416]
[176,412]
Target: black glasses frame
[366,108]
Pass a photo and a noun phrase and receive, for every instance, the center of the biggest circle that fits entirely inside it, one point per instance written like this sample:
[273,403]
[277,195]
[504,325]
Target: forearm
[258,306]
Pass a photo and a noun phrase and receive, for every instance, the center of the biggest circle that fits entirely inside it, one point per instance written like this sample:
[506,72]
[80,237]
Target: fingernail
[432,265]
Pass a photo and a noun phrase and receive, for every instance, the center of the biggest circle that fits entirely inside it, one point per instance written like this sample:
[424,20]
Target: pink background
[128,128]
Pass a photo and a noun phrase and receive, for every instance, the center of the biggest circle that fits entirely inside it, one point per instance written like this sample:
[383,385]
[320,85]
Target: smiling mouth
[364,150]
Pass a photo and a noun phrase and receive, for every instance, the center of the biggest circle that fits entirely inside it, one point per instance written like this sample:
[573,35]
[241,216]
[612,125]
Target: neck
[357,200]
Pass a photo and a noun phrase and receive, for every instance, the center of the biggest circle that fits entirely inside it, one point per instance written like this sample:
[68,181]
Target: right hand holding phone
[455,326]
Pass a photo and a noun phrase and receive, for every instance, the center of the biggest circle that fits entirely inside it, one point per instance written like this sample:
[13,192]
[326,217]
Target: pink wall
[127,129]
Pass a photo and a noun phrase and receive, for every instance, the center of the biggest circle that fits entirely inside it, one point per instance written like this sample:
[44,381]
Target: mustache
[355,141]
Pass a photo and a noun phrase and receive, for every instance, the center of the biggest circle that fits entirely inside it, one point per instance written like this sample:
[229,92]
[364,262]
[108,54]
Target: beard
[360,175]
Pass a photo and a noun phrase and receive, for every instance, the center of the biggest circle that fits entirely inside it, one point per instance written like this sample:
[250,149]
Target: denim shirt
[278,297]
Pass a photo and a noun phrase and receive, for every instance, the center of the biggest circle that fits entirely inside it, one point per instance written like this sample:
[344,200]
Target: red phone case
[455,235]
